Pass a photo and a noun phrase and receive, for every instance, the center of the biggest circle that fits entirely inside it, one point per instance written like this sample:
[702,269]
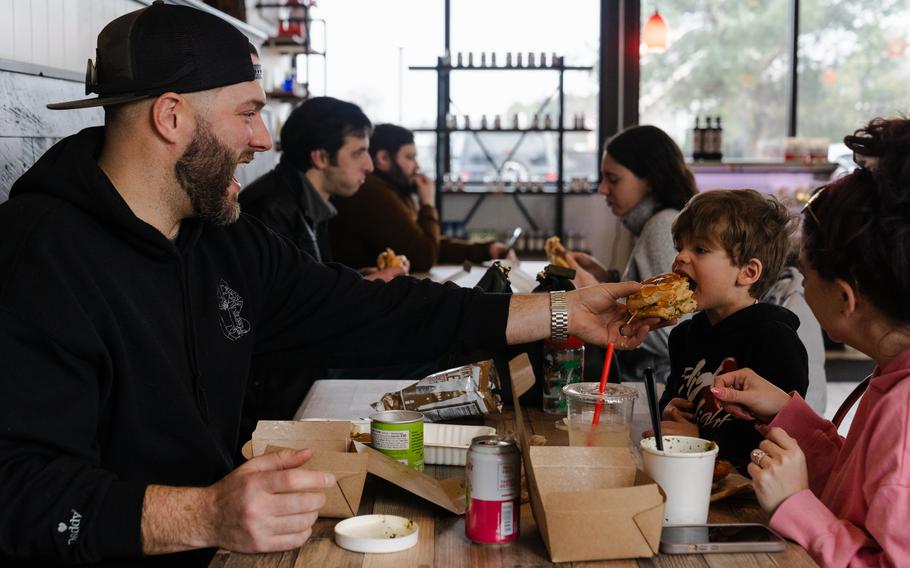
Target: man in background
[384,212]
[324,145]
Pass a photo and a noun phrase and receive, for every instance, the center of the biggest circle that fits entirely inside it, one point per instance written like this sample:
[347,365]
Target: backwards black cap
[164,48]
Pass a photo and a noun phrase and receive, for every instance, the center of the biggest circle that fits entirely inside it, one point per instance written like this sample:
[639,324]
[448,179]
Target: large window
[727,58]
[853,64]
[371,45]
[733,59]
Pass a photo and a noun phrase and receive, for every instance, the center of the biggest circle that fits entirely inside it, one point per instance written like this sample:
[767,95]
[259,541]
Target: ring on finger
[757,456]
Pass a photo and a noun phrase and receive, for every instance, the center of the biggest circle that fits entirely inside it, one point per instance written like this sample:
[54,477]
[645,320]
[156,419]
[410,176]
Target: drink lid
[613,394]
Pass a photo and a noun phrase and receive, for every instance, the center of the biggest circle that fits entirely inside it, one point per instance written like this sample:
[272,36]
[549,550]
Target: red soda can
[493,492]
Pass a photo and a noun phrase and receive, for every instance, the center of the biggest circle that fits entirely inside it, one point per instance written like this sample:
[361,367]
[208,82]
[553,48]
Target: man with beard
[134,298]
[324,145]
[384,213]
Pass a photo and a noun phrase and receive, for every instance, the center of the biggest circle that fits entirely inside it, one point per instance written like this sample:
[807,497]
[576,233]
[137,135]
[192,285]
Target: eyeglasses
[808,206]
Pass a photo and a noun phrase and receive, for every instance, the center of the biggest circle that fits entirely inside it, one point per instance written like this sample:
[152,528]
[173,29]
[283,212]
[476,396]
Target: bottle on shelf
[718,139]
[547,121]
[493,59]
[509,59]
[543,59]
[698,141]
[483,122]
[459,60]
[497,122]
[707,148]
[467,122]
[531,59]
[535,122]
[515,123]
[470,59]
[447,59]
[554,60]
[483,58]
[518,59]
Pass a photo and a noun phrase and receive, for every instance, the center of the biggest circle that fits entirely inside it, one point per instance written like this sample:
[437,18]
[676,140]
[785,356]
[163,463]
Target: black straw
[652,407]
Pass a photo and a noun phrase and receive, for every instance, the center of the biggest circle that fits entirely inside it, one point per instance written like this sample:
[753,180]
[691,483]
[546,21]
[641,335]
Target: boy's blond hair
[746,223]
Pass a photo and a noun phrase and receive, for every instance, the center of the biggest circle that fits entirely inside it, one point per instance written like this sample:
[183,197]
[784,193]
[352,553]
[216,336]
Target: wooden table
[442,541]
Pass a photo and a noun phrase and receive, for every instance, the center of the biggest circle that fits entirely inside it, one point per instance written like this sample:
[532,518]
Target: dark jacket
[279,199]
[382,215]
[125,356]
[761,337]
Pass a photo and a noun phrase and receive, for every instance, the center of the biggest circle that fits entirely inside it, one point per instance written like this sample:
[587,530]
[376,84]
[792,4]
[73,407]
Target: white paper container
[683,470]
[443,444]
[447,444]
[376,533]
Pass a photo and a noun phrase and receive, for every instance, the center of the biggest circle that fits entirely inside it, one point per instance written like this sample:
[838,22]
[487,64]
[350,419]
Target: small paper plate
[376,533]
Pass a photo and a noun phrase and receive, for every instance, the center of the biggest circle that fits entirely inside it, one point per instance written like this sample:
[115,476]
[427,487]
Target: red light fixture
[654,33]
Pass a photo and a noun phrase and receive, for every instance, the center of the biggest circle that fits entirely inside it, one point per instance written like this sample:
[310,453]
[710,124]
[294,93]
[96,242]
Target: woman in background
[646,183]
[846,500]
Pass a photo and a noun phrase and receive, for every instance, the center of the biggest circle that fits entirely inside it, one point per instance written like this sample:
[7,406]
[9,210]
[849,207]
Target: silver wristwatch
[559,316]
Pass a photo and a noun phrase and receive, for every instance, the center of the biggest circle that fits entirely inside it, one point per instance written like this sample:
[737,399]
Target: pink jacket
[856,511]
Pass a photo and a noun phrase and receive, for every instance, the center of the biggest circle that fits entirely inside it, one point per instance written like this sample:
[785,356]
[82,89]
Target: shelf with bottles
[574,186]
[512,61]
[492,130]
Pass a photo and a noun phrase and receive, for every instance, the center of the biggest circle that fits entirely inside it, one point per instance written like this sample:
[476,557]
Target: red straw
[603,387]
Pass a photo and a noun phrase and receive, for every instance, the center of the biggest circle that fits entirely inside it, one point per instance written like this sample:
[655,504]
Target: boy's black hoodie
[125,356]
[761,337]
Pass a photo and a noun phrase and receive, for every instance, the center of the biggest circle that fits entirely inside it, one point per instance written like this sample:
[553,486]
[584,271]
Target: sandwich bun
[665,296]
[387,259]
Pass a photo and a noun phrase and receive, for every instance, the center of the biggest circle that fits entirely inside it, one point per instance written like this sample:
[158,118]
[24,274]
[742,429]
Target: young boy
[731,245]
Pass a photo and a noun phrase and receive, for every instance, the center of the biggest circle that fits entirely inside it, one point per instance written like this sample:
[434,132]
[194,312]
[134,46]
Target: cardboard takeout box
[589,503]
[350,462]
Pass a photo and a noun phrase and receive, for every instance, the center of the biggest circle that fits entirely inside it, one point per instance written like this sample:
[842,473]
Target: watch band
[559,316]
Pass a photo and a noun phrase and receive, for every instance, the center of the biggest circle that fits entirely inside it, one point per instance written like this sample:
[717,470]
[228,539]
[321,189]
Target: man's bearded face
[206,171]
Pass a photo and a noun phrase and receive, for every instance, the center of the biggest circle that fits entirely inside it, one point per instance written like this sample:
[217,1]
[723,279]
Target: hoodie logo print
[73,528]
[696,386]
[233,325]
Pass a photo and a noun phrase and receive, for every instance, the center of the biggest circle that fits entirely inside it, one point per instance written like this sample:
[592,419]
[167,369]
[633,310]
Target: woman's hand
[778,469]
[583,278]
[748,396]
[589,265]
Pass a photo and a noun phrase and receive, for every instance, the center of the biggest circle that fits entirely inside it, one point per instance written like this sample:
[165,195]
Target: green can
[399,435]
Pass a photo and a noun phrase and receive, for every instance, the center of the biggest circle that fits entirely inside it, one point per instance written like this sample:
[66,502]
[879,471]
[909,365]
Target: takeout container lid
[350,461]
[376,533]
[589,503]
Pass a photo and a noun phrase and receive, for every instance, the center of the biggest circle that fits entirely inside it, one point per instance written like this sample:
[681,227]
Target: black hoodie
[125,356]
[761,337]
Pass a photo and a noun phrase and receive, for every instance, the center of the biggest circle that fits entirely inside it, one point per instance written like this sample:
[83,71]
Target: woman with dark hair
[646,183]
[846,500]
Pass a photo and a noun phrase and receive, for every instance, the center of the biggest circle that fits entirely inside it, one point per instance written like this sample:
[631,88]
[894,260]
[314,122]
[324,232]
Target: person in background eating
[846,500]
[646,183]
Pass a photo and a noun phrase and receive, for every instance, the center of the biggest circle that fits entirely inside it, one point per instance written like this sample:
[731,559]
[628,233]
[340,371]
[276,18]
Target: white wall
[44,47]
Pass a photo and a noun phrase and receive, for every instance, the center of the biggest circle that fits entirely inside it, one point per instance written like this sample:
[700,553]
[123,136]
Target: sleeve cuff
[490,319]
[797,418]
[118,531]
[803,518]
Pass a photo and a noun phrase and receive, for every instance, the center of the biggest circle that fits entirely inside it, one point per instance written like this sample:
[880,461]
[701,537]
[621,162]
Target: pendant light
[654,33]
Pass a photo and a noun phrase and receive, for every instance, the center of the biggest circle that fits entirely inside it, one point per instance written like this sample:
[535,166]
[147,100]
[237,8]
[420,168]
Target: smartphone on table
[732,537]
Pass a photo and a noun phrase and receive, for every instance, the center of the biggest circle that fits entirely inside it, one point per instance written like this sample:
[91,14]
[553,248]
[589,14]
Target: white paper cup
[684,471]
